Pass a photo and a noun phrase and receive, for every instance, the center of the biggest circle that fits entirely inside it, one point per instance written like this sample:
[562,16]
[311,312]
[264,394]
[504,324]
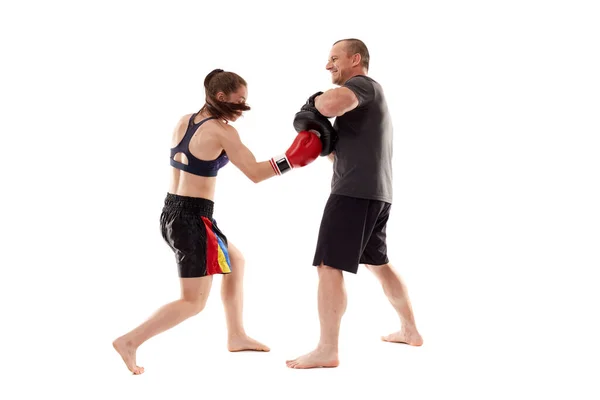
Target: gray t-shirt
[362,164]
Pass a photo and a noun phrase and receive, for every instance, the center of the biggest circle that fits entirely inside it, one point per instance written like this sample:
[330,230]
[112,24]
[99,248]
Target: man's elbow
[335,106]
[328,109]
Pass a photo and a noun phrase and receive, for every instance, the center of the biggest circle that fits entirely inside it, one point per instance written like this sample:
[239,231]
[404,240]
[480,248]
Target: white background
[495,225]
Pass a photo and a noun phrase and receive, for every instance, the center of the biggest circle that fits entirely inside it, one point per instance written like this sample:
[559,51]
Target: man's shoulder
[365,82]
[362,78]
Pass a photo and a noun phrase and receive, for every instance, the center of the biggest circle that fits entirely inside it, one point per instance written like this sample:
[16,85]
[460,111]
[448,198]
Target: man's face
[339,63]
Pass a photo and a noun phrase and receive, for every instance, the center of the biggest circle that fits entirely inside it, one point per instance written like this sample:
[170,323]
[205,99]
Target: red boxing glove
[305,149]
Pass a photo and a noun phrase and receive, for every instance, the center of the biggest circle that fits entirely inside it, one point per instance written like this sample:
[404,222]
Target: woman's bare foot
[322,357]
[408,336]
[245,343]
[127,352]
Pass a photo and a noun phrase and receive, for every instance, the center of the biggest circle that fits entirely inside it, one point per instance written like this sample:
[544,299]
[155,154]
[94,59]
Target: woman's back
[196,156]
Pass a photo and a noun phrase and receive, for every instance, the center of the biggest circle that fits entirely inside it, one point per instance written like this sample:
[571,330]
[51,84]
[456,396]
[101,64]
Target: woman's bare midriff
[185,184]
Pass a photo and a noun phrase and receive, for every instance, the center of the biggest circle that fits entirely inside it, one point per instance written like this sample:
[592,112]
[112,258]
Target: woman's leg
[232,294]
[194,293]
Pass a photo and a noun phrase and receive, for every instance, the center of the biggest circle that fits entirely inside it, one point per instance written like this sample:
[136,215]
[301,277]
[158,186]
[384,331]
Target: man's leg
[396,292]
[338,250]
[332,302]
[376,260]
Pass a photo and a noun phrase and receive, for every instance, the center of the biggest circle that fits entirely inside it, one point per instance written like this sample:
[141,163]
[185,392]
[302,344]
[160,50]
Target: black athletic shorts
[188,227]
[352,232]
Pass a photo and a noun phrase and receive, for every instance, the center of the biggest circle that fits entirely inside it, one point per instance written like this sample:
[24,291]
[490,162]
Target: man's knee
[324,267]
[378,267]
[325,270]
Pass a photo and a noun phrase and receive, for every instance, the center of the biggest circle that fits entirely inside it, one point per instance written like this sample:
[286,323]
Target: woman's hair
[227,82]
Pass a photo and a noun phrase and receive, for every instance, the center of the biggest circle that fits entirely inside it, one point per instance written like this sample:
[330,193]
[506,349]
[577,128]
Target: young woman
[202,144]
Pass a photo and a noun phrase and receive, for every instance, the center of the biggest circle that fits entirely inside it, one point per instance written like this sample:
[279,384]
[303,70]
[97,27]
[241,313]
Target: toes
[392,337]
[396,338]
[296,364]
[248,344]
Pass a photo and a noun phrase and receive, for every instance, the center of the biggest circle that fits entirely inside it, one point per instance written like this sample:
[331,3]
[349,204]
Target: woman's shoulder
[184,120]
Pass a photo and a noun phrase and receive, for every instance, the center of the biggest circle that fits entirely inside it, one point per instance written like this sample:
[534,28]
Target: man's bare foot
[245,343]
[127,352]
[408,336]
[322,357]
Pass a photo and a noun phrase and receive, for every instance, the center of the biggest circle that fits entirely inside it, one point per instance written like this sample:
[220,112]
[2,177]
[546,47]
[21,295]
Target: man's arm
[336,102]
[243,158]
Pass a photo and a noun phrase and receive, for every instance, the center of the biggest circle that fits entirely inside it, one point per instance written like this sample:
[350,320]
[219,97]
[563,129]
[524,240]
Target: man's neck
[357,73]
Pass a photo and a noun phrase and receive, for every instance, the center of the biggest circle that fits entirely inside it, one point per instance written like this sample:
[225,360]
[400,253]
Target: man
[353,228]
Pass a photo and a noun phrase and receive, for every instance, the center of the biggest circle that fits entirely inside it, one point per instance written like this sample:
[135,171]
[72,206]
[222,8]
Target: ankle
[236,333]
[407,323]
[328,347]
[129,341]
[408,328]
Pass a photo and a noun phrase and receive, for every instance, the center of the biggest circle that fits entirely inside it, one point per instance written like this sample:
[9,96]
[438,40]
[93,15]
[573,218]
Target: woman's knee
[195,291]
[238,260]
[236,257]
[196,305]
